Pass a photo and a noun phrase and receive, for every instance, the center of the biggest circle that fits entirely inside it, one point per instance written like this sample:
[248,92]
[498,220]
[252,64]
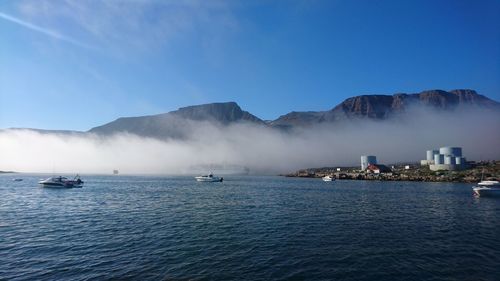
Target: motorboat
[487,188]
[209,178]
[17,179]
[328,178]
[62,182]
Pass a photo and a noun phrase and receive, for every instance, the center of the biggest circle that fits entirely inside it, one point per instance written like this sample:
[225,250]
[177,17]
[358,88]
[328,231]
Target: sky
[79,64]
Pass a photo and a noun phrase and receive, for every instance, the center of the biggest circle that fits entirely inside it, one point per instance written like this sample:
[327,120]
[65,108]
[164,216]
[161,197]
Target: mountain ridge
[386,106]
[181,123]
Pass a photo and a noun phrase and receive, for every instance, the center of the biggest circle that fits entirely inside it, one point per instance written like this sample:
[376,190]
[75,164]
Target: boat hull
[487,191]
[61,182]
[58,185]
[206,179]
[209,180]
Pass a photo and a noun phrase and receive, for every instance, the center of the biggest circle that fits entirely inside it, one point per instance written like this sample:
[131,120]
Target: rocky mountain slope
[179,123]
[386,106]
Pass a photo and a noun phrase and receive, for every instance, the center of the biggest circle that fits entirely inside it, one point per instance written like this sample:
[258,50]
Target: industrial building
[367,160]
[446,158]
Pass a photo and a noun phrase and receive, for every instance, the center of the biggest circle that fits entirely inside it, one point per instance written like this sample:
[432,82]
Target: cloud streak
[45,31]
[125,26]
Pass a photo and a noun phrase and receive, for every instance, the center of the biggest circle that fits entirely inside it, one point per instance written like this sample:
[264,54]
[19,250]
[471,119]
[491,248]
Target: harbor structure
[367,160]
[446,158]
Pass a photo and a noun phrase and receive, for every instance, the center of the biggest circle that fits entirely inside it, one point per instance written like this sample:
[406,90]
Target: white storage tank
[449,160]
[449,150]
[430,154]
[438,159]
[445,150]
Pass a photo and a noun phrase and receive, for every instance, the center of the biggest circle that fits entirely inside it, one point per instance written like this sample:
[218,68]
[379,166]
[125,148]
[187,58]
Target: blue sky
[79,64]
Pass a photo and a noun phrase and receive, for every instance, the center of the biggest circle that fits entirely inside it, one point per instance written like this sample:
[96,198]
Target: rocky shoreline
[477,170]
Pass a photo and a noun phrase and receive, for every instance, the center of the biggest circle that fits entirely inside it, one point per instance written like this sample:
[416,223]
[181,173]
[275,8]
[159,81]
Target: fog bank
[263,150]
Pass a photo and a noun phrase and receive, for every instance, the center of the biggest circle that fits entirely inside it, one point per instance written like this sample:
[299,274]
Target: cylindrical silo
[449,160]
[453,151]
[430,154]
[364,162]
[458,161]
[445,150]
[438,159]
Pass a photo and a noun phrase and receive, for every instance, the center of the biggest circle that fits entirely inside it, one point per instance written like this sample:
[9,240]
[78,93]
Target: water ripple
[247,228]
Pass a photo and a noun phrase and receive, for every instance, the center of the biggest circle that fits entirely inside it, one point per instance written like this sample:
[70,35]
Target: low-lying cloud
[263,150]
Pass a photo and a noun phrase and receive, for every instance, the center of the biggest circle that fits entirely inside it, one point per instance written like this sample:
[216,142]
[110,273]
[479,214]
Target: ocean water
[246,228]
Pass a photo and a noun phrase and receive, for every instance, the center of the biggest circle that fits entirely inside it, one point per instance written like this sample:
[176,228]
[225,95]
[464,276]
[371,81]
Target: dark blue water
[247,228]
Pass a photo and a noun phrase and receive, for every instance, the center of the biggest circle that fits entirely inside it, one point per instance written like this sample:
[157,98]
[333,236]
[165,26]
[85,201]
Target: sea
[246,228]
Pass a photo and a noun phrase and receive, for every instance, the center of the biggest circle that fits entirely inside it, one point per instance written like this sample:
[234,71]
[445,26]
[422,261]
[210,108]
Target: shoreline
[478,171]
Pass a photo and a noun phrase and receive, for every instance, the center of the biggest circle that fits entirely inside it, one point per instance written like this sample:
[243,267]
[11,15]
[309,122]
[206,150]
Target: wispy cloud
[48,32]
[124,26]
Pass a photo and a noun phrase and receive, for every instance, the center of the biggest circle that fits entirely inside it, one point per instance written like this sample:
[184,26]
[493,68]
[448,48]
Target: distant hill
[179,123]
[385,106]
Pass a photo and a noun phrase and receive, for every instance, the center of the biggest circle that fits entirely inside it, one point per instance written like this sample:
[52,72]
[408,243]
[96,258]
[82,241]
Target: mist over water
[264,150]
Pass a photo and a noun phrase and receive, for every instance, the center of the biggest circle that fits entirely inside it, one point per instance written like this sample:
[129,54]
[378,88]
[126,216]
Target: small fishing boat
[328,178]
[62,182]
[487,188]
[209,178]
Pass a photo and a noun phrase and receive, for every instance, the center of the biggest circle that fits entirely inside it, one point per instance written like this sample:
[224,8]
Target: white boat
[17,179]
[209,178]
[62,182]
[328,178]
[487,188]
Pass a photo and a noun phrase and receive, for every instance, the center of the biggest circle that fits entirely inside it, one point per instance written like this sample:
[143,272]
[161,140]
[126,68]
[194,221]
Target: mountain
[386,106]
[223,113]
[185,121]
[179,123]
